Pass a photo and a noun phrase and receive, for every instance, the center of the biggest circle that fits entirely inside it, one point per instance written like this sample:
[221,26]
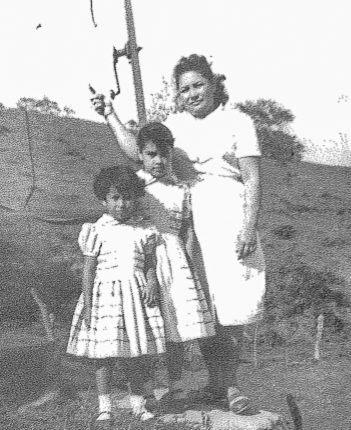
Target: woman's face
[196,94]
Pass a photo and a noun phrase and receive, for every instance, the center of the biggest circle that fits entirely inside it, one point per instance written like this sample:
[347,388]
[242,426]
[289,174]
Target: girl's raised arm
[125,139]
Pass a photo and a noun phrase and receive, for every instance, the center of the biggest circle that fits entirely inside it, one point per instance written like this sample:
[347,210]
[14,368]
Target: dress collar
[134,220]
[149,179]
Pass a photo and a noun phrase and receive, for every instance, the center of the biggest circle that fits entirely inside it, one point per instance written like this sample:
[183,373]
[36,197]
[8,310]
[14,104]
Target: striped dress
[121,324]
[184,306]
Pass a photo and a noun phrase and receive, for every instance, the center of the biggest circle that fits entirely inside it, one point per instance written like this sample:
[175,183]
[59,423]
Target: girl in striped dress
[117,315]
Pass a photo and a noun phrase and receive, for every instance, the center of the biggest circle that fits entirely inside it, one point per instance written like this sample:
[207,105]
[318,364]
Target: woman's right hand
[125,138]
[100,105]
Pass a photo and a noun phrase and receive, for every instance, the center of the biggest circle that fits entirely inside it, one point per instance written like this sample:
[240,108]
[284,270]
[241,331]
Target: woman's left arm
[250,172]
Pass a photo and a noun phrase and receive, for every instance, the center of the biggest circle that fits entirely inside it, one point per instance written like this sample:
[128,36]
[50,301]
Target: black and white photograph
[175,215]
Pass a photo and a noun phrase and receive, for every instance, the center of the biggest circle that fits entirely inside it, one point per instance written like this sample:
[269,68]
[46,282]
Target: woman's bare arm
[250,172]
[125,139]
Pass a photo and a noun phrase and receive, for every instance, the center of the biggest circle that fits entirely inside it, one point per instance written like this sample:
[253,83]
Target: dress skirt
[121,324]
[235,287]
[186,313]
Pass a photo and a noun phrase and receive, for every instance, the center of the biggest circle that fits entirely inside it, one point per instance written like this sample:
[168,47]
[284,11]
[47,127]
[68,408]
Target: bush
[285,232]
[296,295]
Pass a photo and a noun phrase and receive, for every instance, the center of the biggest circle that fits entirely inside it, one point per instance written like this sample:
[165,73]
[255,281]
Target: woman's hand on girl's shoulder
[151,291]
[246,243]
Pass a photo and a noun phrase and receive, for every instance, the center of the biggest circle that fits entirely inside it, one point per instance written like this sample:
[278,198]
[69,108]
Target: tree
[68,111]
[2,107]
[272,120]
[44,105]
[161,104]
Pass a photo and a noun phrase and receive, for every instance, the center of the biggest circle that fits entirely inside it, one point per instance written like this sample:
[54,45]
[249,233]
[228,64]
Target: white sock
[105,405]
[138,406]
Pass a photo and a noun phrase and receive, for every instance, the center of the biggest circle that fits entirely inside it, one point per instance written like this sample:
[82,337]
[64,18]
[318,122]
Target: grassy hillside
[38,236]
[306,217]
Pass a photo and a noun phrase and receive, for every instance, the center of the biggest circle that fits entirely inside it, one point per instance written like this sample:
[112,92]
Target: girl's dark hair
[158,133]
[128,184]
[199,63]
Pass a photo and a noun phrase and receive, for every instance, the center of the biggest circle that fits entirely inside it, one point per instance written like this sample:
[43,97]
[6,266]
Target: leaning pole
[134,58]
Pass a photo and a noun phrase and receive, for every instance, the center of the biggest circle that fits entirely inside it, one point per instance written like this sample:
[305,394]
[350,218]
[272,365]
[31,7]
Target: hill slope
[306,214]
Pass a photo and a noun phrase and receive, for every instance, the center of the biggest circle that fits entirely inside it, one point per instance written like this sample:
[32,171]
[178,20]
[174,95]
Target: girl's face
[155,161]
[119,207]
[196,94]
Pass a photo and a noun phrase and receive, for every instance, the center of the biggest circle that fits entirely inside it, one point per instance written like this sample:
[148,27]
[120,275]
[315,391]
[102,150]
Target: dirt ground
[322,391]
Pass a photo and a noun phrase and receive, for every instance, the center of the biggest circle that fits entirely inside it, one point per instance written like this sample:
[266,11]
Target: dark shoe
[173,402]
[237,403]
[208,396]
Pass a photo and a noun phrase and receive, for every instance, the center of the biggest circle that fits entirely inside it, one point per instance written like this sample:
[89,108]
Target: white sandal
[139,410]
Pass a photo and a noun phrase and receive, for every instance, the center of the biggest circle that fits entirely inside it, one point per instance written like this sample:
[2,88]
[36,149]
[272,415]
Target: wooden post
[48,319]
[134,56]
[319,333]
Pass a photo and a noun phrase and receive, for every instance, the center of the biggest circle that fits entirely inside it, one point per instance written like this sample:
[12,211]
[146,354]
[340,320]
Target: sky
[295,52]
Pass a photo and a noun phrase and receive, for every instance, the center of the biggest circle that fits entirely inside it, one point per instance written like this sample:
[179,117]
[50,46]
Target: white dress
[121,324]
[236,287]
[185,310]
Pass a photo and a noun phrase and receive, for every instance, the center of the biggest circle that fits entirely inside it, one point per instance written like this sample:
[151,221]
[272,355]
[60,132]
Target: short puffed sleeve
[245,137]
[89,241]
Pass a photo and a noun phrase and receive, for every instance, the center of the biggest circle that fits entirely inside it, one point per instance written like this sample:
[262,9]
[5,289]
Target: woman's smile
[196,93]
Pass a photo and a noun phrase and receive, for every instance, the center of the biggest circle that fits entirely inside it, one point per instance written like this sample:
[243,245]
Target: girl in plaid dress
[117,315]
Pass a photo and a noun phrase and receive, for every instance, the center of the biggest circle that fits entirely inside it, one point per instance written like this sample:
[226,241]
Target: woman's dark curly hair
[128,184]
[199,63]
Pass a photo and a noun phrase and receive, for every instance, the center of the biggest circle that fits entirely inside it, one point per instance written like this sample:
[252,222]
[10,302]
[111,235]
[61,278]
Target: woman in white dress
[217,152]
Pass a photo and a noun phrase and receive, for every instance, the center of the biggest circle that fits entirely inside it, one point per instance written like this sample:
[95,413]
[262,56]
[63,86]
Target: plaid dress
[121,324]
[184,306]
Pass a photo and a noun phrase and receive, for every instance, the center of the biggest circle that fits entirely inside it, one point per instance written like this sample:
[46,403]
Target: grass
[322,391]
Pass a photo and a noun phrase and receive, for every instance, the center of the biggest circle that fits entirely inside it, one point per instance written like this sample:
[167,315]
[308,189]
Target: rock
[214,419]
[222,420]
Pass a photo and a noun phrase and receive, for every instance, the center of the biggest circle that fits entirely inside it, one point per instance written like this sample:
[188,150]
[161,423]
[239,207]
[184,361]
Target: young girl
[117,315]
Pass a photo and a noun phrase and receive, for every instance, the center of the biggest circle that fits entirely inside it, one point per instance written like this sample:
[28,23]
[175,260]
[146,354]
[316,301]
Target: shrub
[286,232]
[296,295]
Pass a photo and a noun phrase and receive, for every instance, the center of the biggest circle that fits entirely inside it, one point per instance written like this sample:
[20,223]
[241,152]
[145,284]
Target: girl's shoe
[104,421]
[237,402]
[139,410]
